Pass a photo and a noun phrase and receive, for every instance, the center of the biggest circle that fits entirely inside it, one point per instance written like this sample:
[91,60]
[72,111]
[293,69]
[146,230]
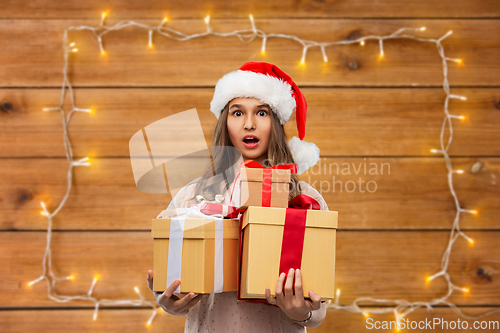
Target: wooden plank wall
[361,111]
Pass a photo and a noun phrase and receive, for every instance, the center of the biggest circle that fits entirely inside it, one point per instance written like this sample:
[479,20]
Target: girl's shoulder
[313,193]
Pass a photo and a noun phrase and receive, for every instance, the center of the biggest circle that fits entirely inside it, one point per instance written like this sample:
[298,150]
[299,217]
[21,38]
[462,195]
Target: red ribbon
[267,177]
[292,244]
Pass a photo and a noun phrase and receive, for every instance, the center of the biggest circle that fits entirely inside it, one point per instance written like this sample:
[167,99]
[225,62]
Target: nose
[250,121]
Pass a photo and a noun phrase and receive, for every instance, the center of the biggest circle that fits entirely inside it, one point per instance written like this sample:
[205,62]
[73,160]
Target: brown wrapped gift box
[262,240]
[198,254]
[251,187]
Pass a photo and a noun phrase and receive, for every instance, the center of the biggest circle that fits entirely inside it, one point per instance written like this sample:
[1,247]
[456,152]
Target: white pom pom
[305,154]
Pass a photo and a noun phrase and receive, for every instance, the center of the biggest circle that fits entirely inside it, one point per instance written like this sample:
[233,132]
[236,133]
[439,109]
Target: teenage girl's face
[249,127]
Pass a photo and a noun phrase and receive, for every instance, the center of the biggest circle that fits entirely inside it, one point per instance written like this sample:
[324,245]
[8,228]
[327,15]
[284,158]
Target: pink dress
[222,312]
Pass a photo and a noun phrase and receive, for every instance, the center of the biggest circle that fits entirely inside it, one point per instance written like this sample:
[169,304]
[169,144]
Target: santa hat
[274,87]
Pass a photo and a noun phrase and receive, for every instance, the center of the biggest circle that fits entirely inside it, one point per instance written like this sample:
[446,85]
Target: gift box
[264,187]
[201,252]
[277,239]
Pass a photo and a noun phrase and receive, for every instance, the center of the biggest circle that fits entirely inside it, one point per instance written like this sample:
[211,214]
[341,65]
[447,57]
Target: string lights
[400,308]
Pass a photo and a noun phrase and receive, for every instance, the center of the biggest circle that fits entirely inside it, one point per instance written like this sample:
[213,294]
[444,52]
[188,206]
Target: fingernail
[297,270]
[312,292]
[267,289]
[282,274]
[291,270]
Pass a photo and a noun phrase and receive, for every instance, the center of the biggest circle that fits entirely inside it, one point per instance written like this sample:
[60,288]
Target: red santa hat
[274,87]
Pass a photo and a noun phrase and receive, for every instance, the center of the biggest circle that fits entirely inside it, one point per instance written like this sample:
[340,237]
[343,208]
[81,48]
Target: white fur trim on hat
[268,89]
[305,154]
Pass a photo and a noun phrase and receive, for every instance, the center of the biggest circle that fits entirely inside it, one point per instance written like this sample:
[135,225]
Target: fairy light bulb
[362,43]
[207,19]
[150,43]
[165,20]
[422,29]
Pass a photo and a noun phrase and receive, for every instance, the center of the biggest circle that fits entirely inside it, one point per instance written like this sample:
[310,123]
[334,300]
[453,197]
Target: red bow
[303,201]
[256,165]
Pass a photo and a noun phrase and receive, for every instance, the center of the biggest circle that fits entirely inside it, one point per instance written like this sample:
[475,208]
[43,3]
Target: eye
[237,113]
[262,113]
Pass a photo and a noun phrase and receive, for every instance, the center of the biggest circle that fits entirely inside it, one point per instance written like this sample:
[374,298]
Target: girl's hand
[170,303]
[295,306]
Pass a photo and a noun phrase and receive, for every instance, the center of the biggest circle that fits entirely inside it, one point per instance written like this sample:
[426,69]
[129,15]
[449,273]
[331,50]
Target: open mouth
[250,141]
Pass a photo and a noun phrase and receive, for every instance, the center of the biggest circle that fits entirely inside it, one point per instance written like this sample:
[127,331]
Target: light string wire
[401,308]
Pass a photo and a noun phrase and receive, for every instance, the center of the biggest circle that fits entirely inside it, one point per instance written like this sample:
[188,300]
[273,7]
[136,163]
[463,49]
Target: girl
[252,104]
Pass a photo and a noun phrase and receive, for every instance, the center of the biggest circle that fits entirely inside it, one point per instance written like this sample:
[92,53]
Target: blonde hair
[278,152]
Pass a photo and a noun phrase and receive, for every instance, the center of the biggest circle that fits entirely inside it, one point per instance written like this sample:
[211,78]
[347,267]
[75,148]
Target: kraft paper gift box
[261,257]
[201,252]
[264,187]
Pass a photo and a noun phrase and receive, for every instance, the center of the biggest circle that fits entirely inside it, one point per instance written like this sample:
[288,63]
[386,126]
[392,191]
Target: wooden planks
[407,193]
[129,62]
[220,9]
[134,320]
[384,264]
[341,121]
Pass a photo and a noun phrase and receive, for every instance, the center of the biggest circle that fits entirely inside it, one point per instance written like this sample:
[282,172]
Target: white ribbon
[175,250]
[219,257]
[176,236]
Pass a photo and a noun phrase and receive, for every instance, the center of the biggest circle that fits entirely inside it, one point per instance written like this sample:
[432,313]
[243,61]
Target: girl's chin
[259,157]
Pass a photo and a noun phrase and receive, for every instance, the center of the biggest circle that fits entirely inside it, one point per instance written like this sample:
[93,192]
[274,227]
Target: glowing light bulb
[366,314]
[96,277]
[207,19]
[422,29]
[362,43]
[71,277]
[465,290]
[164,21]
[103,53]
[471,241]
[459,171]
[74,50]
